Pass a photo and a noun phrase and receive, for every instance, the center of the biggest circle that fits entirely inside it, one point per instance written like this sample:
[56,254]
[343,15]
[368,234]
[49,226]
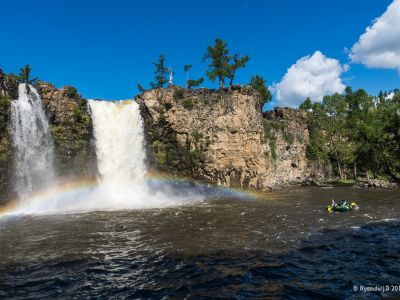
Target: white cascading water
[119,137]
[118,130]
[32,141]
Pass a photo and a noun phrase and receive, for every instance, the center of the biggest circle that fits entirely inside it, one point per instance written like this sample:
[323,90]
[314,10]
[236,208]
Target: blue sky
[104,48]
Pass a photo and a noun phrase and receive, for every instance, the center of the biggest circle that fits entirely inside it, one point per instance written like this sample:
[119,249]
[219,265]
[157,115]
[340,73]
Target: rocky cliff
[70,124]
[286,132]
[221,136]
[71,127]
[8,91]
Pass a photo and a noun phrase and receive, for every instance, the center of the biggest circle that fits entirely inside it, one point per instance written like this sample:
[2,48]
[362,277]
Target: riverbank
[359,183]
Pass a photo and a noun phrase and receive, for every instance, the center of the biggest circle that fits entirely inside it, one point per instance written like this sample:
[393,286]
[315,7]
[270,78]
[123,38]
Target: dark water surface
[284,245]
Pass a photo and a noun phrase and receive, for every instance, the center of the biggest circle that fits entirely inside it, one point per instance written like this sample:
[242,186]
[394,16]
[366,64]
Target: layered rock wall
[222,136]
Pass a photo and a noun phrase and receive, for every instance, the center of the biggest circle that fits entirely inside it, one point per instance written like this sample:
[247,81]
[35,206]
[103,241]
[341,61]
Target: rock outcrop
[287,134]
[375,183]
[71,127]
[221,136]
[8,90]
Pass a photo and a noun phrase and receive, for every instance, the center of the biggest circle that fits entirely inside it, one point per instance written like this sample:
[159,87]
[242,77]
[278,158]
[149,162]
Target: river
[282,244]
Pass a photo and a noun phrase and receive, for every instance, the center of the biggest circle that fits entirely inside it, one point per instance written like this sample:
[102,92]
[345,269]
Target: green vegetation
[220,66]
[71,91]
[238,62]
[168,106]
[24,76]
[161,72]
[201,145]
[191,82]
[356,132]
[188,103]
[160,152]
[141,88]
[194,83]
[4,102]
[259,84]
[178,94]
[288,137]
[5,152]
[270,137]
[346,182]
[307,104]
[197,136]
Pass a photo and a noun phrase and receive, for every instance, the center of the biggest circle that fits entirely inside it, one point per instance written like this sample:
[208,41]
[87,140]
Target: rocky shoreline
[359,183]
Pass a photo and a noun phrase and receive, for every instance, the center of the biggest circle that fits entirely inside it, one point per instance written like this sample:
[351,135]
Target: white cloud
[379,46]
[311,76]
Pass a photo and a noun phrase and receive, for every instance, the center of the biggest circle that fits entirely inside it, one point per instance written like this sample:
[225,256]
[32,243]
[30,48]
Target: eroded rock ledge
[222,136]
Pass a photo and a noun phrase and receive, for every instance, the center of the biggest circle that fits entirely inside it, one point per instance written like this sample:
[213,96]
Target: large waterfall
[119,137]
[118,130]
[33,142]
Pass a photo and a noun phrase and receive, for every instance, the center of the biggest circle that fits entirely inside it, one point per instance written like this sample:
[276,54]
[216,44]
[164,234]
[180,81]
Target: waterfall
[32,141]
[118,132]
[119,140]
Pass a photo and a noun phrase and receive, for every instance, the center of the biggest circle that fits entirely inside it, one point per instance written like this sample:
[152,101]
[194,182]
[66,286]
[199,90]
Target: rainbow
[70,189]
[64,190]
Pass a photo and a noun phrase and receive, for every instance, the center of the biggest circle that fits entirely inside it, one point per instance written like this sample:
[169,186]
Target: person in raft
[333,204]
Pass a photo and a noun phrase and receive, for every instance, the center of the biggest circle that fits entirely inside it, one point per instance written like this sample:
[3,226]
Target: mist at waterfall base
[122,182]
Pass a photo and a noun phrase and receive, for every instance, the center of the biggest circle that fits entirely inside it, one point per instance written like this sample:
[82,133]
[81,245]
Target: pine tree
[24,75]
[194,83]
[259,84]
[223,65]
[307,104]
[219,65]
[141,88]
[161,72]
[238,62]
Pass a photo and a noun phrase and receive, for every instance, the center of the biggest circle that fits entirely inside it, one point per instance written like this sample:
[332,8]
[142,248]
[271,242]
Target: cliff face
[286,132]
[8,90]
[221,136]
[70,125]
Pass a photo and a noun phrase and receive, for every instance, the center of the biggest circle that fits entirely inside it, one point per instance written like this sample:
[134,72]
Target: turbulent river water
[282,244]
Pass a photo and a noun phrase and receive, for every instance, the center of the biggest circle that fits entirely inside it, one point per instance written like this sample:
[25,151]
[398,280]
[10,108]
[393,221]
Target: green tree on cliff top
[307,104]
[194,83]
[259,84]
[220,66]
[191,82]
[25,74]
[161,72]
[238,62]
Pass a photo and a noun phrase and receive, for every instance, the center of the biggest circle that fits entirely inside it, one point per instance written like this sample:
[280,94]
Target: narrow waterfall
[32,141]
[118,131]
